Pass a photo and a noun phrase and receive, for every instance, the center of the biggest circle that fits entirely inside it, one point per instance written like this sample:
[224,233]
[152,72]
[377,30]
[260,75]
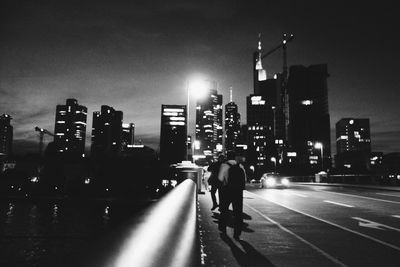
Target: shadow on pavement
[248,256]
[245,227]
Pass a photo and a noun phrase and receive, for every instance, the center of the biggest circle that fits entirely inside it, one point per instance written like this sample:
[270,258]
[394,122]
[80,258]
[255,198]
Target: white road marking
[377,199]
[371,224]
[396,216]
[331,223]
[390,195]
[297,194]
[330,257]
[339,204]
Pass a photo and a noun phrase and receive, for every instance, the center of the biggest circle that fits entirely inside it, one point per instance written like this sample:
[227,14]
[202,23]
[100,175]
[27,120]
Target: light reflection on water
[34,233]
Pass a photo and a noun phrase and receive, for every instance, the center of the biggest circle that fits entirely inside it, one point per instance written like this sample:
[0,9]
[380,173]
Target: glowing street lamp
[320,146]
[198,88]
[273,159]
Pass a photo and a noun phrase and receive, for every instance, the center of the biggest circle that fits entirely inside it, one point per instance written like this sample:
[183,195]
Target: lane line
[370,198]
[339,204]
[331,223]
[382,194]
[325,254]
[375,223]
[297,194]
[396,216]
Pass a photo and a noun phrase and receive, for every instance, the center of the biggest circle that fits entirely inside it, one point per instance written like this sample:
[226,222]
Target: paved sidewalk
[264,242]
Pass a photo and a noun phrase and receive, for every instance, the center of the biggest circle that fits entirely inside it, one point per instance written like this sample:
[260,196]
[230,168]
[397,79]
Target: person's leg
[213,197]
[223,208]
[237,206]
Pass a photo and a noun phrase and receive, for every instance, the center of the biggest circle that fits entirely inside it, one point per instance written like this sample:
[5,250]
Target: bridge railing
[167,234]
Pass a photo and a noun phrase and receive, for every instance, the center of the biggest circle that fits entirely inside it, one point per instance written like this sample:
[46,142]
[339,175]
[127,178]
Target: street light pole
[322,157]
[187,122]
[321,147]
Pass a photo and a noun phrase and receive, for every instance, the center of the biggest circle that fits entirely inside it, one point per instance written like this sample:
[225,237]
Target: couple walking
[229,178]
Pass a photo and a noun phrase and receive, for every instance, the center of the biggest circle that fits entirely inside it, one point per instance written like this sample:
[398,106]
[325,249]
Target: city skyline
[136,57]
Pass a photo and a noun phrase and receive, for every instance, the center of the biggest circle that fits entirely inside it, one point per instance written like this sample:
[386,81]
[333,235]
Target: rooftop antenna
[230,94]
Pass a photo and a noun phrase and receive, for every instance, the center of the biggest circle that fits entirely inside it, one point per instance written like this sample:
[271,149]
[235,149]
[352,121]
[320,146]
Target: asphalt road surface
[336,226]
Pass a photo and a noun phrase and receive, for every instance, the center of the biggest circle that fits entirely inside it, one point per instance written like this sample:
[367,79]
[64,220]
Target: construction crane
[42,132]
[286,39]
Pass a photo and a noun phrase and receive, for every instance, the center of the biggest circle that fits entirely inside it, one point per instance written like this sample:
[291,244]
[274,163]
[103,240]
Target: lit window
[307,102]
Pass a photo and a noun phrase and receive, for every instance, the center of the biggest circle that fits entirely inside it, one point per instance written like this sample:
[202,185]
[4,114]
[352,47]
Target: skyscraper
[6,135]
[232,125]
[70,129]
[128,135]
[173,135]
[353,143]
[259,132]
[217,126]
[107,132]
[265,111]
[309,115]
[208,124]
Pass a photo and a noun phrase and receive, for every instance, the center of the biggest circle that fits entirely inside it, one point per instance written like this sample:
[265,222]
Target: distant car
[274,180]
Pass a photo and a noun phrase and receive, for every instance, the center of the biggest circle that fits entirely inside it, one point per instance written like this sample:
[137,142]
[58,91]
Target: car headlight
[271,182]
[285,181]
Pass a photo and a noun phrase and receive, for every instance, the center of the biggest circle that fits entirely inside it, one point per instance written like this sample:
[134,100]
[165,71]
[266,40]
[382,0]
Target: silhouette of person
[233,178]
[213,180]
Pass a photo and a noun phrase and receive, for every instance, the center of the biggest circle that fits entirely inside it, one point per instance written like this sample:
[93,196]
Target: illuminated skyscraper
[265,117]
[218,129]
[309,115]
[208,124]
[173,137]
[260,141]
[70,129]
[107,132]
[353,143]
[6,135]
[232,125]
[128,135]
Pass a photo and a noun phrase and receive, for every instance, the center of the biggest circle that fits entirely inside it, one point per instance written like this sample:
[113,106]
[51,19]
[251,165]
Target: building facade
[107,132]
[70,129]
[128,135]
[353,144]
[232,126]
[173,137]
[260,139]
[6,136]
[209,129]
[309,120]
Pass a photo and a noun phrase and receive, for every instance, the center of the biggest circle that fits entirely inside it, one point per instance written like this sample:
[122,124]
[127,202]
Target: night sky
[137,55]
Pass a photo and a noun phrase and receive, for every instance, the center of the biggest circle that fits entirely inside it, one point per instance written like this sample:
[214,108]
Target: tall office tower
[128,135]
[6,135]
[353,143]
[106,132]
[173,137]
[309,116]
[260,141]
[70,129]
[232,125]
[208,124]
[217,125]
[259,73]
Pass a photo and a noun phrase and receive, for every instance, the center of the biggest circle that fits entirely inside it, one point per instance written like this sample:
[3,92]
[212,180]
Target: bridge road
[307,226]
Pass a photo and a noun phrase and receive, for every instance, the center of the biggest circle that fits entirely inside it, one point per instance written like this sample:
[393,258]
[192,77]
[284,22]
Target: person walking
[213,180]
[232,175]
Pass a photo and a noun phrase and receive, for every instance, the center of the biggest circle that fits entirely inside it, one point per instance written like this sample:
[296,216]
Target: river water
[42,232]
